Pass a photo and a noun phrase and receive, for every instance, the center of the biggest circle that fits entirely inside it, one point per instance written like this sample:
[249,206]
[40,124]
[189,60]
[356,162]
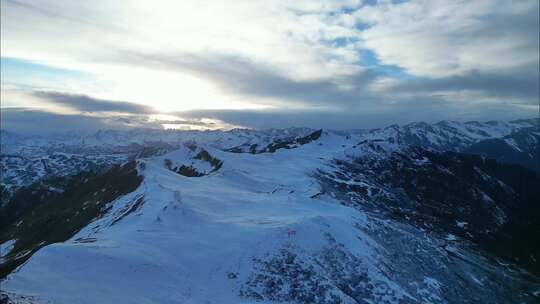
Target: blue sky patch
[22,71]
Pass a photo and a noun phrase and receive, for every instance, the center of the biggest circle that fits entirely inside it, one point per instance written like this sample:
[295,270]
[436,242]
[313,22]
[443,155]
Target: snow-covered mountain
[456,136]
[27,159]
[393,215]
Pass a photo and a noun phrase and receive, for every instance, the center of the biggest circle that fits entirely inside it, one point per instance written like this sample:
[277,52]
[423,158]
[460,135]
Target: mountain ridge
[101,149]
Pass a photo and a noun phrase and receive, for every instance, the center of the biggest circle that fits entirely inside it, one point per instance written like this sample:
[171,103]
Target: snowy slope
[259,228]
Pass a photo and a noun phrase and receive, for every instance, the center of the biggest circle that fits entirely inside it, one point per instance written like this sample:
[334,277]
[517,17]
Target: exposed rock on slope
[193,161]
[286,143]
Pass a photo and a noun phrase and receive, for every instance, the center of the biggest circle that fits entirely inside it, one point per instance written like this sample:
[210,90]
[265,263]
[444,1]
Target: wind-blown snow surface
[256,230]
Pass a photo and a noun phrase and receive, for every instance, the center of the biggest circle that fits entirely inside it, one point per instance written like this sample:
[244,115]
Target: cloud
[240,76]
[446,38]
[413,110]
[274,32]
[358,91]
[520,86]
[23,120]
[84,103]
[350,60]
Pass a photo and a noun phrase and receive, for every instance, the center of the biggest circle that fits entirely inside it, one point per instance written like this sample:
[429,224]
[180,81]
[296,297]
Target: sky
[261,64]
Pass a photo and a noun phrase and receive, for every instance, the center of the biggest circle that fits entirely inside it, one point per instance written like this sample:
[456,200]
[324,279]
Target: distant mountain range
[27,159]
[420,213]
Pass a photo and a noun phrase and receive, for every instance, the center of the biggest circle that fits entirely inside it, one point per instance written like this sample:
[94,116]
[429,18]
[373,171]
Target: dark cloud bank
[85,103]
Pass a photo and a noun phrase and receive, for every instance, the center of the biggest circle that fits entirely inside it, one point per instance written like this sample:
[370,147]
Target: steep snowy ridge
[328,217]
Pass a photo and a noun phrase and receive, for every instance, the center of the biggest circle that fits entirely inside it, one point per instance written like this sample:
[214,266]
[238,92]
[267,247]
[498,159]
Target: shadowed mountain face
[521,147]
[491,204]
[55,210]
[394,215]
